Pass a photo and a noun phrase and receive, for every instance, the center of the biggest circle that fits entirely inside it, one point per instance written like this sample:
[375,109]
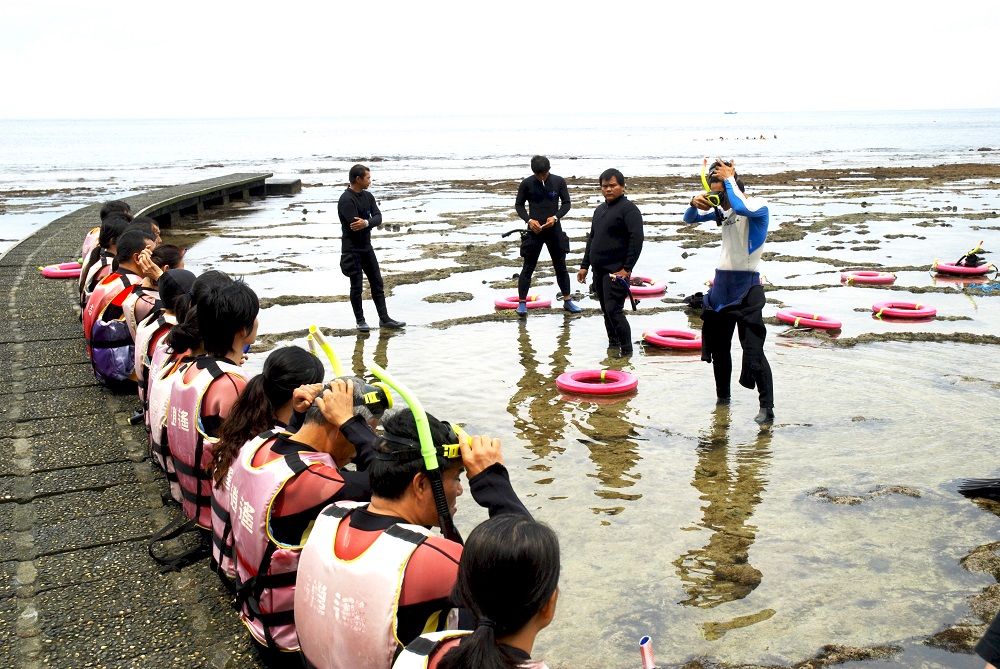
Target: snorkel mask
[376,396]
[428,452]
[716,199]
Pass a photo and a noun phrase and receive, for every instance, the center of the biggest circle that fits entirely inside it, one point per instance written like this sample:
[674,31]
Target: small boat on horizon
[728,112]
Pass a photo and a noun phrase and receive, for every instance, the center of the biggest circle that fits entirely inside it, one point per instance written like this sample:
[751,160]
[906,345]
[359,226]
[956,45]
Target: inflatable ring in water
[648,287]
[880,278]
[952,268]
[533,302]
[597,382]
[66,270]
[807,319]
[903,310]
[678,339]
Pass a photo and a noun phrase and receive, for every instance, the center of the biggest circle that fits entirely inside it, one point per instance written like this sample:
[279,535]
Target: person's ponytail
[508,572]
[251,414]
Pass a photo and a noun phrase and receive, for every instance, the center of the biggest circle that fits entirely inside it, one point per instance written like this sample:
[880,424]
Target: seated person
[382,558]
[288,384]
[97,264]
[168,355]
[109,344]
[277,486]
[93,237]
[151,330]
[509,581]
[145,298]
[205,386]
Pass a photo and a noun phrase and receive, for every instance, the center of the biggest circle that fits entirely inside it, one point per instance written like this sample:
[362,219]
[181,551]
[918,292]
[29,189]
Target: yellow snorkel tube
[316,334]
[427,451]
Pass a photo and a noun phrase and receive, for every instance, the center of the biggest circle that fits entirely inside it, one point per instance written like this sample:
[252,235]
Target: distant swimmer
[736,298]
[547,199]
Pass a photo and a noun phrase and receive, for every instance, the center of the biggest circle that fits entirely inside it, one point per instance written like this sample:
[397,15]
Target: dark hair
[540,165]
[357,172]
[172,284]
[130,243]
[315,415]
[611,172]
[712,179]
[256,408]
[111,228]
[508,572]
[389,473]
[223,314]
[115,207]
[144,223]
[185,335]
[167,255]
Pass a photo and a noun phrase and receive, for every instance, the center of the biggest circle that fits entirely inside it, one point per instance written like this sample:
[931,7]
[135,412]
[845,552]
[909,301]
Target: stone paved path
[79,497]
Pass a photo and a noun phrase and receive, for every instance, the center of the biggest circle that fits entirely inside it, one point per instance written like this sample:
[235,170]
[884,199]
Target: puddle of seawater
[679,519]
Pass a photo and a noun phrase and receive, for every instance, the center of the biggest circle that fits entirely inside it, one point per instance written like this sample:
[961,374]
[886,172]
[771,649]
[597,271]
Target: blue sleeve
[758,218]
[693,215]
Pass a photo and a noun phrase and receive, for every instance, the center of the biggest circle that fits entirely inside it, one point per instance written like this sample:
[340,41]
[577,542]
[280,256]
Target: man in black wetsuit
[613,247]
[358,215]
[548,201]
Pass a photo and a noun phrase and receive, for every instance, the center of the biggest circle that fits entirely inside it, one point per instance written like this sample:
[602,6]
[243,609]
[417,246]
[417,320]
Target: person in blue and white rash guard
[736,298]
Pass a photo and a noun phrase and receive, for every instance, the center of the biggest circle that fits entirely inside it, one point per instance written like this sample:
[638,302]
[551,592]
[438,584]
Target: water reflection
[720,570]
[381,351]
[538,417]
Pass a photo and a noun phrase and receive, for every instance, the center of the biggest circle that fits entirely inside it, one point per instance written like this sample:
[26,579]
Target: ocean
[50,167]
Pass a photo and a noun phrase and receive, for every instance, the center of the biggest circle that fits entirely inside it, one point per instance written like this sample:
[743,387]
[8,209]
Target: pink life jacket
[88,274]
[161,380]
[147,335]
[222,530]
[345,610]
[137,306]
[190,446]
[265,568]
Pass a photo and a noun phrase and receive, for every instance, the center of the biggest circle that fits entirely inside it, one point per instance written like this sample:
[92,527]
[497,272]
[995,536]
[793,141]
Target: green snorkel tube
[427,452]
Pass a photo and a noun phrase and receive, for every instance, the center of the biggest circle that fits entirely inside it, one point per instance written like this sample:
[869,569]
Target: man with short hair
[735,300]
[109,343]
[613,247]
[548,202]
[358,214]
[381,560]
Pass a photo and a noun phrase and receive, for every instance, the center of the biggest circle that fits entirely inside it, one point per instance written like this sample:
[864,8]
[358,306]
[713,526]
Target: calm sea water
[86,161]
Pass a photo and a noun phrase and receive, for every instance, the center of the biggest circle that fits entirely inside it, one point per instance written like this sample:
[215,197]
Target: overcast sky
[214,58]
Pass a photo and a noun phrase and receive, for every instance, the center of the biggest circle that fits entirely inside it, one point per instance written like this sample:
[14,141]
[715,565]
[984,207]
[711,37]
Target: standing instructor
[358,215]
[548,201]
[613,247]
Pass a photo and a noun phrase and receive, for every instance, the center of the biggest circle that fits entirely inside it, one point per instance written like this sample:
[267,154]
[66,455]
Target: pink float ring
[597,382]
[66,270]
[903,310]
[679,339]
[882,278]
[952,268]
[807,319]
[533,302]
[649,287]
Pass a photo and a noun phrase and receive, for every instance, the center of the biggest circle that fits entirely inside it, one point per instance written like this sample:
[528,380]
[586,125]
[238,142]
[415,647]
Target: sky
[223,59]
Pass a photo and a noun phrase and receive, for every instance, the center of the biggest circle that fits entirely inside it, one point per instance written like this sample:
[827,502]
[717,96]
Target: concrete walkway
[79,497]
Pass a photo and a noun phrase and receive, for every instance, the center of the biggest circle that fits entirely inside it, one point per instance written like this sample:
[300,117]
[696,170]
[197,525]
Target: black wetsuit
[614,243]
[356,253]
[988,647]
[545,199]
